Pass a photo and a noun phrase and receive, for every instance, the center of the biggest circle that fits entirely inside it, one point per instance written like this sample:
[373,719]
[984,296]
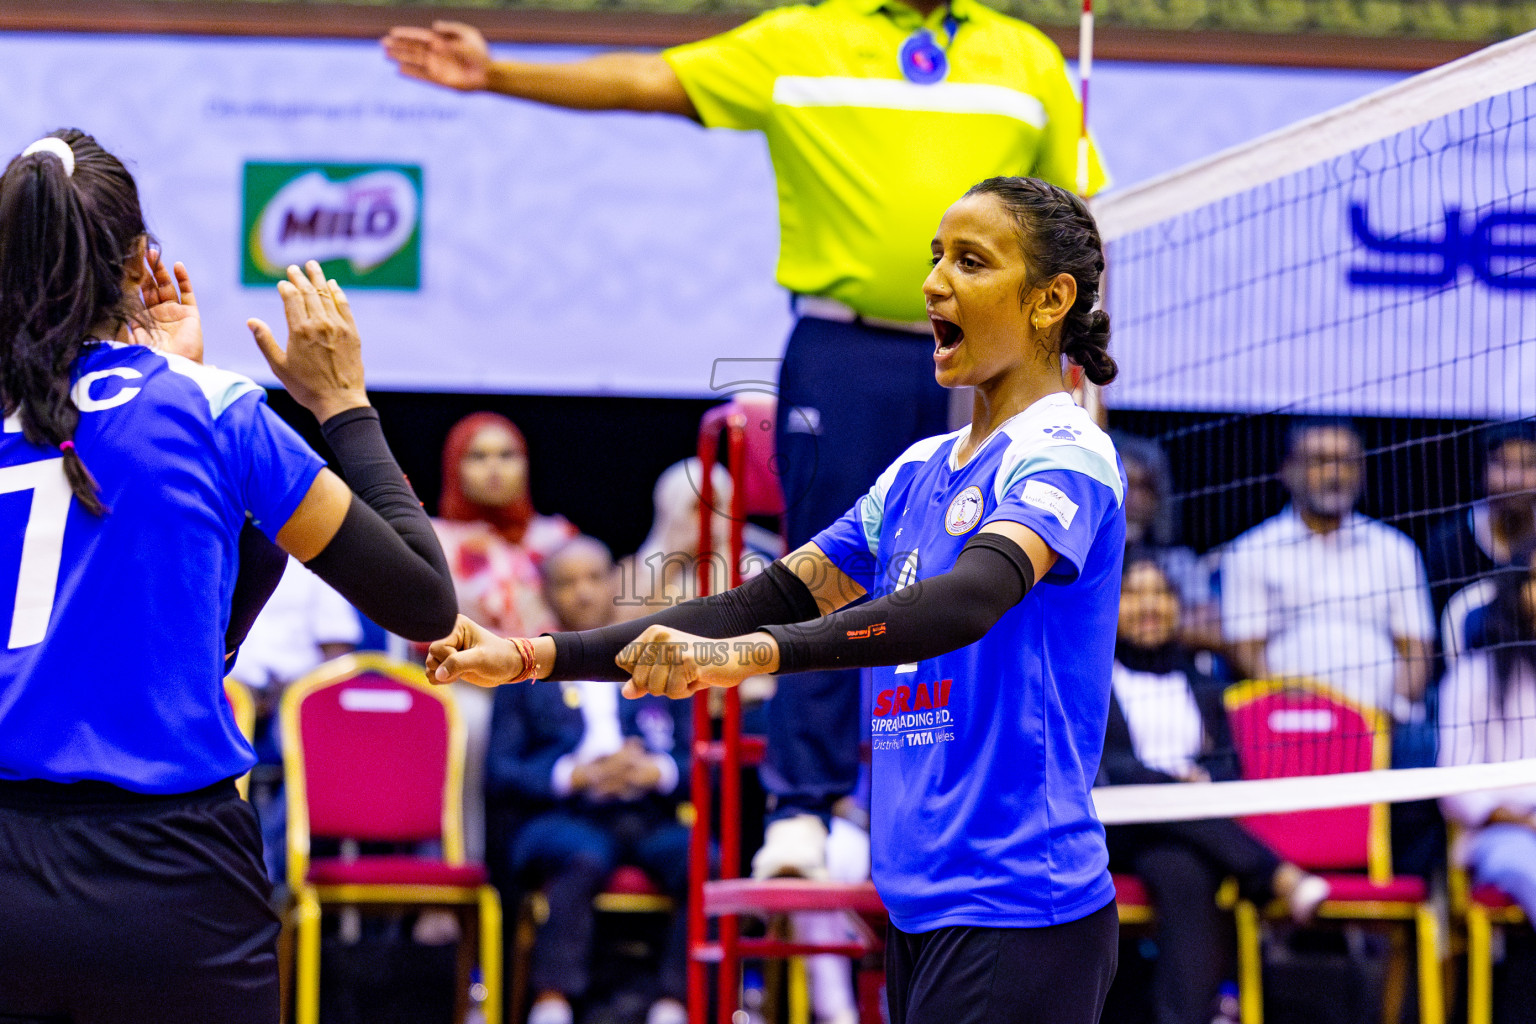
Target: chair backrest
[371,751]
[762,493]
[1298,727]
[243,705]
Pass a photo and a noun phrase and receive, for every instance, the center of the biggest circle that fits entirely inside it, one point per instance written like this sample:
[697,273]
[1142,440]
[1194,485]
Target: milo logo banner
[361,221]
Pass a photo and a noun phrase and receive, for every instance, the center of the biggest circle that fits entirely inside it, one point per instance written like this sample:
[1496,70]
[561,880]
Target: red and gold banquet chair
[1483,908]
[1294,728]
[244,706]
[372,752]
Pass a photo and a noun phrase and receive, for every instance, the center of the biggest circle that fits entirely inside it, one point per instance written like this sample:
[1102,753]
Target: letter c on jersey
[81,392]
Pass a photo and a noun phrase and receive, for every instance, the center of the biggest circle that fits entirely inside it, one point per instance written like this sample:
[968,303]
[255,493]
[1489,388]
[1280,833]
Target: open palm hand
[173,321]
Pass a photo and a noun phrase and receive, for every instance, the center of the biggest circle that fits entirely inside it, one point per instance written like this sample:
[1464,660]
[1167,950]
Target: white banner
[1387,277]
[558,252]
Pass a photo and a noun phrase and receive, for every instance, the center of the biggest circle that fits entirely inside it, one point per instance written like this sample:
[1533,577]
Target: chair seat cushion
[1491,896]
[396,870]
[1360,889]
[628,880]
[1130,891]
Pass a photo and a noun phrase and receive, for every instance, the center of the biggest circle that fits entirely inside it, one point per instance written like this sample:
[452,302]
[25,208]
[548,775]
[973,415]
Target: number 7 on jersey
[42,546]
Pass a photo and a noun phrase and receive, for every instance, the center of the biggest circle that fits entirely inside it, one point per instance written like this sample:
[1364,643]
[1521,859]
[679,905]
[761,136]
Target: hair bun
[1088,346]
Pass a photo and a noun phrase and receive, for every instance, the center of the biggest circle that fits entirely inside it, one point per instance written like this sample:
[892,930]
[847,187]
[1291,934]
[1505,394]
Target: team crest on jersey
[964,512]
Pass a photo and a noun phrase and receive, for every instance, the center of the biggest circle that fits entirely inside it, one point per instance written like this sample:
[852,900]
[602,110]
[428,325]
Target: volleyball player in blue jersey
[992,560]
[137,488]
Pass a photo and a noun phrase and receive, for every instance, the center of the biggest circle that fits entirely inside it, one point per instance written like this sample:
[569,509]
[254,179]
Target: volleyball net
[1327,410]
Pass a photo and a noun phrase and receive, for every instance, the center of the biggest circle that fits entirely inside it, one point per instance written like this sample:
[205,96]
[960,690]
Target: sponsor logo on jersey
[964,512]
[362,222]
[903,699]
[1053,500]
[913,716]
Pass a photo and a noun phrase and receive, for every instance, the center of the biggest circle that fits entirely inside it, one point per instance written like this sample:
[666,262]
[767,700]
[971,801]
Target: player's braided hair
[1058,236]
[65,240]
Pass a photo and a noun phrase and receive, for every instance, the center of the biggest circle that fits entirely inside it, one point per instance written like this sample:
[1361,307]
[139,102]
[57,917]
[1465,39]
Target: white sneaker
[551,1011]
[1304,900]
[793,847]
[667,1011]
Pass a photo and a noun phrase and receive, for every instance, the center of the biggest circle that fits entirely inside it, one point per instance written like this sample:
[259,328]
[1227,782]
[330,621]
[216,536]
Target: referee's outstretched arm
[455,55]
[371,540]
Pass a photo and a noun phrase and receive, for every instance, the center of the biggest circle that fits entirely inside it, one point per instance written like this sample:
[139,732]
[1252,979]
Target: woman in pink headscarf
[494,539]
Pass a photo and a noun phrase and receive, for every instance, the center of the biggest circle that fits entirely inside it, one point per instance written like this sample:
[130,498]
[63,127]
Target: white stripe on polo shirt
[896,94]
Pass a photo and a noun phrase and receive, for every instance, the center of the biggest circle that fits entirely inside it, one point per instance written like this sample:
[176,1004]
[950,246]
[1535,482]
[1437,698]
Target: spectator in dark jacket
[1167,724]
[594,781]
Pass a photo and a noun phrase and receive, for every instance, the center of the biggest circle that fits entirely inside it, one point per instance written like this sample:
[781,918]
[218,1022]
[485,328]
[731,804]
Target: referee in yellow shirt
[879,114]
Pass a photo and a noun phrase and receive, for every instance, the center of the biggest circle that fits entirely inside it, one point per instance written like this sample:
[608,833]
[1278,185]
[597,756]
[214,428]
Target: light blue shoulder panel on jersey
[221,387]
[1079,447]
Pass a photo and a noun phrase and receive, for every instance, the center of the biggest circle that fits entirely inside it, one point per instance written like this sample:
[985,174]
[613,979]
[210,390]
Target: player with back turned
[877,113]
[141,494]
[991,557]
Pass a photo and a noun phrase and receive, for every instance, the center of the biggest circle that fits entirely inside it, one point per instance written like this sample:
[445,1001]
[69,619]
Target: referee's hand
[450,53]
[475,655]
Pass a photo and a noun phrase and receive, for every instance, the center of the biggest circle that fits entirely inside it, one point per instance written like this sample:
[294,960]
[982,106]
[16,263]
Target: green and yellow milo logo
[361,221]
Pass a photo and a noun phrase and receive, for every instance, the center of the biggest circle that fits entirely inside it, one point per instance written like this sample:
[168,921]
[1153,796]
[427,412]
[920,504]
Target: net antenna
[1084,72]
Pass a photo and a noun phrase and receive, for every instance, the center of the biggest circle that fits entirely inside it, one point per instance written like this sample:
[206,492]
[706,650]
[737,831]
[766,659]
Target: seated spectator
[596,781]
[490,532]
[1488,715]
[1152,516]
[494,541]
[1167,724]
[1471,543]
[303,625]
[1467,550]
[1324,593]
[664,571]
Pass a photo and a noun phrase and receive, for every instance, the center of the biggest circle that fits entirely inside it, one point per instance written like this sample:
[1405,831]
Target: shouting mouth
[946,333]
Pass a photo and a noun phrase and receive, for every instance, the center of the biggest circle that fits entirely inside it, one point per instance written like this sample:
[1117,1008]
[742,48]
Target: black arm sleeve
[928,618]
[385,559]
[775,595]
[261,567]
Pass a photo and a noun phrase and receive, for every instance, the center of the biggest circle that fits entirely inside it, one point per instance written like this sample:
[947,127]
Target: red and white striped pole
[1084,72]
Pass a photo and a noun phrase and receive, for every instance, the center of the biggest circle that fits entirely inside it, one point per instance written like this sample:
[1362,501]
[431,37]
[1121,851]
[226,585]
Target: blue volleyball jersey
[114,662]
[984,758]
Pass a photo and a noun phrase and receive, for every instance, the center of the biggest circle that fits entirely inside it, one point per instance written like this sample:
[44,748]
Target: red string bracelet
[525,651]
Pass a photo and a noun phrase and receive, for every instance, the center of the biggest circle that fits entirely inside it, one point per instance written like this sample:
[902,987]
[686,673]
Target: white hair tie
[56,147]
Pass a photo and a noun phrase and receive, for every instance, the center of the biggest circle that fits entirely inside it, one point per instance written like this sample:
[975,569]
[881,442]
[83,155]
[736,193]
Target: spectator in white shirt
[304,624]
[1488,715]
[1324,593]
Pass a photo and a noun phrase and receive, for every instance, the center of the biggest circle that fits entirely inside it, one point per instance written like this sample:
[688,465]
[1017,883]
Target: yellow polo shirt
[866,161]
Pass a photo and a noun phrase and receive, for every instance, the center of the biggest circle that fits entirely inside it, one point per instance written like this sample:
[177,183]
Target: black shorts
[968,975]
[118,908]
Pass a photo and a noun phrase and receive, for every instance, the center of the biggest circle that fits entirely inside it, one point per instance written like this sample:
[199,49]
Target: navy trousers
[851,400]
[571,853]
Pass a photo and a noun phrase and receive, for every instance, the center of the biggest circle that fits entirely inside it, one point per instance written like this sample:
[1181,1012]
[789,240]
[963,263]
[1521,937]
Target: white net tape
[1193,801]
